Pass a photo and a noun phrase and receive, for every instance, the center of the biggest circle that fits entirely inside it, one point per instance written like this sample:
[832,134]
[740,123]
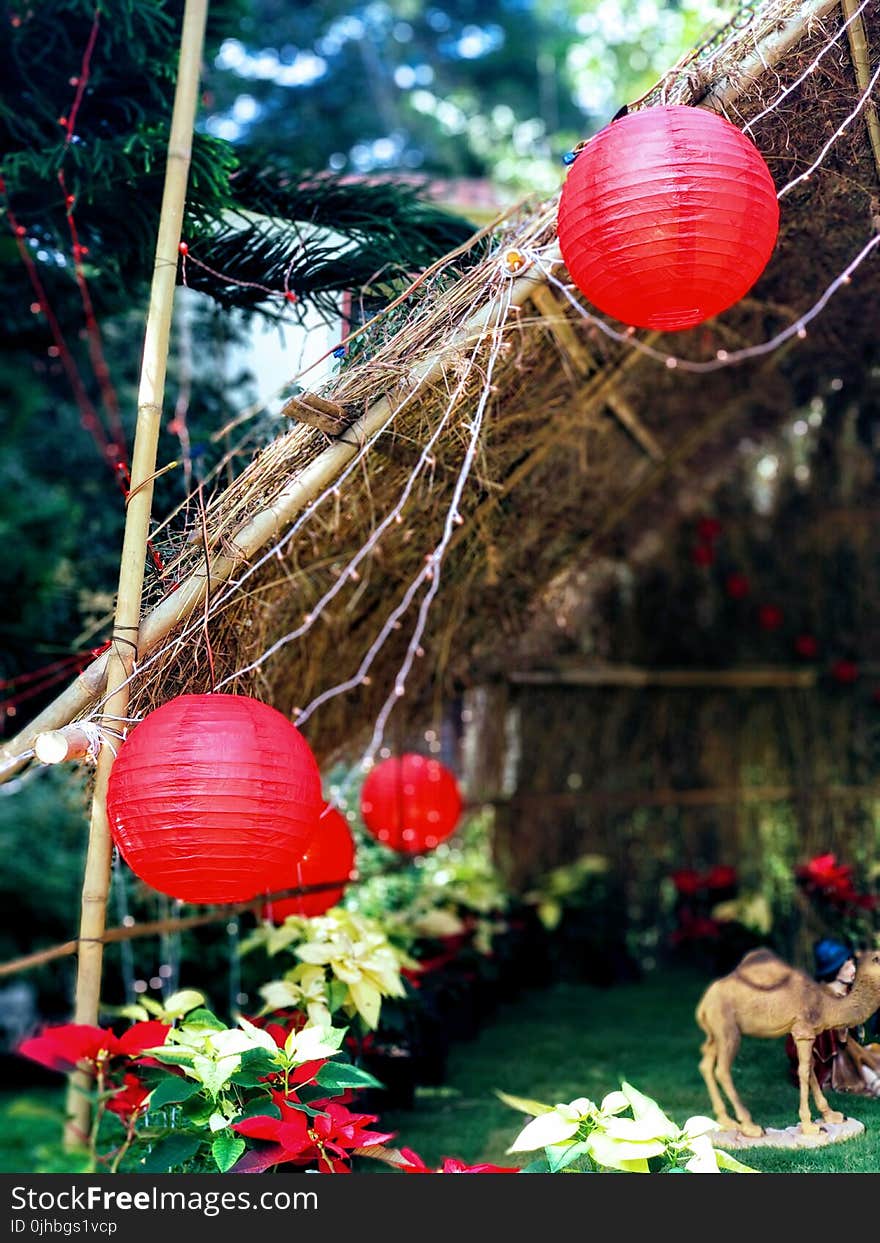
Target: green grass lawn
[553,1045]
[571,1041]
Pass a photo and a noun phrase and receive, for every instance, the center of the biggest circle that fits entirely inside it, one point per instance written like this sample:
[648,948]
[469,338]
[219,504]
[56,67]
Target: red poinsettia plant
[193,1095]
[823,878]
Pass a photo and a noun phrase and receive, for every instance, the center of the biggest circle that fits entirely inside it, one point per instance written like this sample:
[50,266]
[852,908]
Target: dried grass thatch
[583,435]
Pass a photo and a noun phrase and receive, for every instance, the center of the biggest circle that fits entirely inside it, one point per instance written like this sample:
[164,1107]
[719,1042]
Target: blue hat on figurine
[829,956]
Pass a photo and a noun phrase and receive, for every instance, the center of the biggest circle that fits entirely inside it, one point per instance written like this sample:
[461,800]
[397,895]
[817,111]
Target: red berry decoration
[737,586]
[213,798]
[708,529]
[411,804]
[769,617]
[807,646]
[330,856]
[667,217]
[845,672]
[703,555]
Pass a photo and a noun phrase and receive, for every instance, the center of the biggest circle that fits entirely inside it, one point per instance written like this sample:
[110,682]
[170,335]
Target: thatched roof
[579,431]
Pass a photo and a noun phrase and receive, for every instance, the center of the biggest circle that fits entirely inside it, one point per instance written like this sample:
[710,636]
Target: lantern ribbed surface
[212,798]
[330,856]
[667,217]
[411,804]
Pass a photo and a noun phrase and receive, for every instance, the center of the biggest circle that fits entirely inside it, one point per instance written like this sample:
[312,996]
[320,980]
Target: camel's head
[868,965]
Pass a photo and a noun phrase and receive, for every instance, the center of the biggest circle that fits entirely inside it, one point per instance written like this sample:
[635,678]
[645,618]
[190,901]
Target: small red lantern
[411,804]
[667,217]
[330,856]
[212,797]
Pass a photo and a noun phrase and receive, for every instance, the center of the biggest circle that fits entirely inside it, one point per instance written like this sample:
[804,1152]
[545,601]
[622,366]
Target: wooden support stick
[71,742]
[572,344]
[858,46]
[156,927]
[718,796]
[124,646]
[624,675]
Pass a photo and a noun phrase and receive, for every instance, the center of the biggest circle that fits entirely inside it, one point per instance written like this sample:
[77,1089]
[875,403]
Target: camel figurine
[764,996]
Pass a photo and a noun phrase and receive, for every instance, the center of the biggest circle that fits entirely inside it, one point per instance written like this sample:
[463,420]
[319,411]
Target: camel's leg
[828,1114]
[726,1051]
[707,1070]
[805,1072]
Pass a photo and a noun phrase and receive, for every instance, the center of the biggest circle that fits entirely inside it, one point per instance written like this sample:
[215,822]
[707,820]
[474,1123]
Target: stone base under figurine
[791,1136]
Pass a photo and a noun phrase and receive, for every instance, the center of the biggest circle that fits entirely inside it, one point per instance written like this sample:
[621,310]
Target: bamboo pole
[125,644]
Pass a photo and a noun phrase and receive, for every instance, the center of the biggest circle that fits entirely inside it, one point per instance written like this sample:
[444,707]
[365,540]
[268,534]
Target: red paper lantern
[330,856]
[212,797]
[667,217]
[411,804]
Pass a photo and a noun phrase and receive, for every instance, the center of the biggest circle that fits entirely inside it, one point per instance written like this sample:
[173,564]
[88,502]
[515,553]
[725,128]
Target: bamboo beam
[155,927]
[623,675]
[861,58]
[574,347]
[724,92]
[253,536]
[124,646]
[718,796]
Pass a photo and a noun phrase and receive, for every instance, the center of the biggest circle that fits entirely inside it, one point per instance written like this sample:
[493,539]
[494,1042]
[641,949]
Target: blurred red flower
[451,1165]
[769,617]
[737,586]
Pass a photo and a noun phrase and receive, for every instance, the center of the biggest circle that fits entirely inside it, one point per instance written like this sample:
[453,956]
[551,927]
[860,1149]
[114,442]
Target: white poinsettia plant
[345,962]
[583,1137]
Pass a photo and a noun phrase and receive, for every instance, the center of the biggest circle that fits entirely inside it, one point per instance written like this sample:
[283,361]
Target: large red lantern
[330,856]
[667,217]
[212,797]
[411,804]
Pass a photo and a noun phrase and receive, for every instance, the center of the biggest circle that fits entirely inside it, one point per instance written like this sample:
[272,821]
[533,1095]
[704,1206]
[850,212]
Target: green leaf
[172,1056]
[182,1001]
[259,1109]
[539,1166]
[727,1162]
[226,1149]
[561,1155]
[172,1091]
[204,1018]
[551,1128]
[171,1151]
[335,1075]
[535,1108]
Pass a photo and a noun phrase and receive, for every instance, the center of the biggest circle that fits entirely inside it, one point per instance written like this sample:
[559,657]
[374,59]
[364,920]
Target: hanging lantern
[411,804]
[212,797]
[330,856]
[667,217]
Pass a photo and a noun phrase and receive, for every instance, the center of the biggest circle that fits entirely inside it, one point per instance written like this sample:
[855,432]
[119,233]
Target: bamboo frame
[125,644]
[155,927]
[624,675]
[861,58]
[709,796]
